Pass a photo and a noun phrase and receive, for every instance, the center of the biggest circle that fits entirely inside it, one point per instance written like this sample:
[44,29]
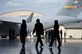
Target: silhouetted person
[61,35]
[23,32]
[13,33]
[51,50]
[22,50]
[55,34]
[39,31]
[37,50]
[10,33]
[64,37]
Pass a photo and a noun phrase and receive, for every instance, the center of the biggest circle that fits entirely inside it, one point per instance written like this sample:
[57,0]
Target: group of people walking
[39,29]
[48,34]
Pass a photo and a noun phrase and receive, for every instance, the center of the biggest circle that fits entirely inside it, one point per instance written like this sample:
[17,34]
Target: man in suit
[39,31]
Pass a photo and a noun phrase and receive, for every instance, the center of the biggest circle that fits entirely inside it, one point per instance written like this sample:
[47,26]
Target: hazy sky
[47,7]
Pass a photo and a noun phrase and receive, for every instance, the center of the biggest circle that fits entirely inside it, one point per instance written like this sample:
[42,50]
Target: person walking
[23,32]
[39,31]
[55,34]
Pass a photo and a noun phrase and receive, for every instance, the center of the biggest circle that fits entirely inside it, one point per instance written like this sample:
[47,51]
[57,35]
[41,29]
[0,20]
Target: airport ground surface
[14,47]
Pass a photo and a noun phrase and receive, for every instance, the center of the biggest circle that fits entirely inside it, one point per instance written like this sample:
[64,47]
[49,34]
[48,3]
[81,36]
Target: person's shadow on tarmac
[22,50]
[39,51]
[51,50]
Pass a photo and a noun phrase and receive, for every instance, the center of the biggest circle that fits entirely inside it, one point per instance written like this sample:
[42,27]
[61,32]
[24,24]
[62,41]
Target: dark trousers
[23,40]
[58,39]
[39,40]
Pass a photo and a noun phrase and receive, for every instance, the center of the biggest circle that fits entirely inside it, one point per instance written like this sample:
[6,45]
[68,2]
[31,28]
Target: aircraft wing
[71,8]
[72,22]
[28,20]
[10,22]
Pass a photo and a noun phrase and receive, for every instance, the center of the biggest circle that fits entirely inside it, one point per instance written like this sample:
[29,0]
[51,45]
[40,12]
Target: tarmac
[70,46]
